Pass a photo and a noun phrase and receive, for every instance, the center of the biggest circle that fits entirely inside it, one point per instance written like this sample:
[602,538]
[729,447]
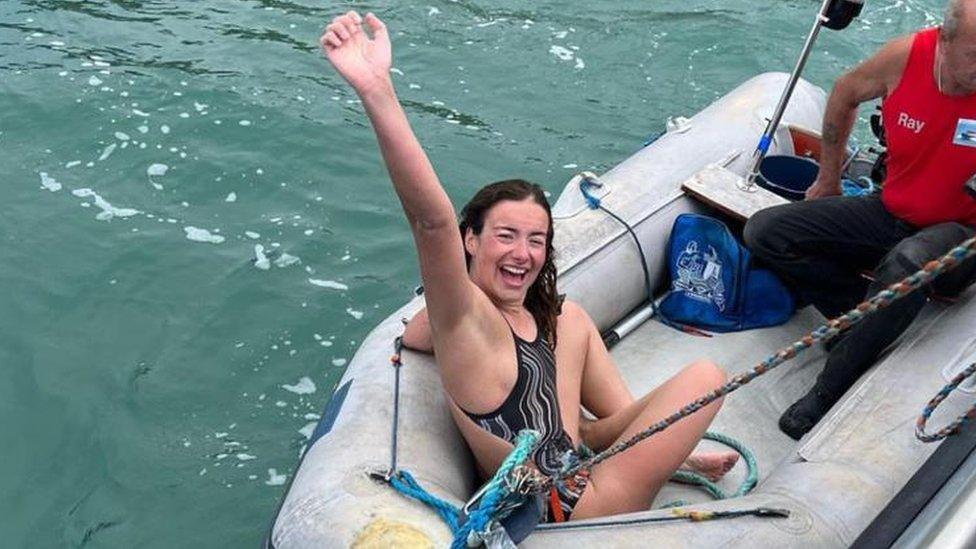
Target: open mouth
[514,275]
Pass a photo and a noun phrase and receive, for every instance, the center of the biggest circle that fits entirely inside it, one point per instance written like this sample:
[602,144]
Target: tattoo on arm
[831,133]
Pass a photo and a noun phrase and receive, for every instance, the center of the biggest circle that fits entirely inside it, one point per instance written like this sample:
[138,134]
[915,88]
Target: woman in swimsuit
[510,354]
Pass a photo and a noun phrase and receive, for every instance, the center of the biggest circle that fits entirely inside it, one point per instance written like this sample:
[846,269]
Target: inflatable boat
[844,474]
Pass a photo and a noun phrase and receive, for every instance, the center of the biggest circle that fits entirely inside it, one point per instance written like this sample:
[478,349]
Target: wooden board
[719,188]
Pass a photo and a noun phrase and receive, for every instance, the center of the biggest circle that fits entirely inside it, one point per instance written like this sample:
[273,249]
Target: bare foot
[712,465]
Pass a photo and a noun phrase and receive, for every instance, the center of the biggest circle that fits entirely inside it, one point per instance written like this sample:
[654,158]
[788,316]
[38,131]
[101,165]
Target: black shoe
[799,418]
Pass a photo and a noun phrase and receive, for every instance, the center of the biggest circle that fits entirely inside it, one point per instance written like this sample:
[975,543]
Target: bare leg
[712,465]
[629,481]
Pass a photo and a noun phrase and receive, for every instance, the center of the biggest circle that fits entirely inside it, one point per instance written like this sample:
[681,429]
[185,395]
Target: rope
[495,492]
[496,498]
[404,483]
[954,426]
[676,514]
[824,332]
[752,466]
[589,180]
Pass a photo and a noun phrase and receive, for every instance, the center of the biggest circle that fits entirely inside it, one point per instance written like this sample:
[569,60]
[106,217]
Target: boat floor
[870,427]
[651,354]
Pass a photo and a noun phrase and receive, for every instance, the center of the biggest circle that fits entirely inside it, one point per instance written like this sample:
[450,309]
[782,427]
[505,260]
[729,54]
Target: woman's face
[509,253]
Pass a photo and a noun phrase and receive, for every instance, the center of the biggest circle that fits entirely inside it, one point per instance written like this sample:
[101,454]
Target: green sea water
[196,231]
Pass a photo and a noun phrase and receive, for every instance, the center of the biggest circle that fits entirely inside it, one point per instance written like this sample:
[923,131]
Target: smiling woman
[510,355]
[520,224]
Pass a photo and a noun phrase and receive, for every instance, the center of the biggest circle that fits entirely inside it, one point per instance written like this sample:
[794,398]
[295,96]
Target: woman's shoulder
[573,315]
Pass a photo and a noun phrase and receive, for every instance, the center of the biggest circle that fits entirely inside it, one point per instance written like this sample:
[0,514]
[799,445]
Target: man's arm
[876,77]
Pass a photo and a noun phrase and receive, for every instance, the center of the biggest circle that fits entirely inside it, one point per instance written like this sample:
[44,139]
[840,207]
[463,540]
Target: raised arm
[876,77]
[365,63]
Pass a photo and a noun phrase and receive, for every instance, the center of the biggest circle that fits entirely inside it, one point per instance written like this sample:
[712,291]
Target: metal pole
[397,364]
[767,137]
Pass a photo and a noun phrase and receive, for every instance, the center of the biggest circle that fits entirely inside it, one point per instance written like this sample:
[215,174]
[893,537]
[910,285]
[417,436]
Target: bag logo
[700,275]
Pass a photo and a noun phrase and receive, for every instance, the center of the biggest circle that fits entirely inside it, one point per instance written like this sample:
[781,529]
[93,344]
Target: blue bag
[714,286]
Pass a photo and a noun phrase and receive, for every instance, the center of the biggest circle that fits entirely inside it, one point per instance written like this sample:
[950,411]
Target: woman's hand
[363,61]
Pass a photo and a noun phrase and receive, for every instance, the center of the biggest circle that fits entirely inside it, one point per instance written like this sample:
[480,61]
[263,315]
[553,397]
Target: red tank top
[931,144]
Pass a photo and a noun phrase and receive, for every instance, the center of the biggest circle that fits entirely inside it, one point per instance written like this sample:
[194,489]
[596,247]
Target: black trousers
[822,248]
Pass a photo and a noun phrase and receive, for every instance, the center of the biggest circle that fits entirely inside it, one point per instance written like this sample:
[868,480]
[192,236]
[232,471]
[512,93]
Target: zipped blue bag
[713,283]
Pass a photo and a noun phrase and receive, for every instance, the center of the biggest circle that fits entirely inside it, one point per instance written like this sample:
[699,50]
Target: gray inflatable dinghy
[834,482]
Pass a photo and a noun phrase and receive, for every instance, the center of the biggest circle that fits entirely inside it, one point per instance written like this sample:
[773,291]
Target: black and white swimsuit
[534,404]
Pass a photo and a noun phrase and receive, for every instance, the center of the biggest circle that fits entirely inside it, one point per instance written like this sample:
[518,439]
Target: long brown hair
[542,300]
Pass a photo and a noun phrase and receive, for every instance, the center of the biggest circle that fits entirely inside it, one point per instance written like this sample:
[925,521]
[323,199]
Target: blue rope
[585,186]
[495,493]
[752,477]
[407,485]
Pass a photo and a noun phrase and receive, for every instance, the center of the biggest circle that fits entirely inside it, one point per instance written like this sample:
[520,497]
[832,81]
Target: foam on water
[108,210]
[157,170]
[328,284]
[202,235]
[252,235]
[231,197]
[261,260]
[562,53]
[107,151]
[304,386]
[308,429]
[285,260]
[49,183]
[274,479]
[358,315]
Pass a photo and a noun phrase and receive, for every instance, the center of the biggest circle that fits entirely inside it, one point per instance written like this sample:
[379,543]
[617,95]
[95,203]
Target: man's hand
[822,188]
[363,61]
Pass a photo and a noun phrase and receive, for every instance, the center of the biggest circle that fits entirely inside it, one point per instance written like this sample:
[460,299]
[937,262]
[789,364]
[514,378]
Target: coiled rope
[752,468]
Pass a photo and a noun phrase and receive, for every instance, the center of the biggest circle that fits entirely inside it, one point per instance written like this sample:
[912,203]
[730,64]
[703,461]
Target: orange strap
[555,506]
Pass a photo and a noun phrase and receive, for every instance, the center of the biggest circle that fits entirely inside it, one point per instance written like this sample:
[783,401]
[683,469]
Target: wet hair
[950,24]
[542,300]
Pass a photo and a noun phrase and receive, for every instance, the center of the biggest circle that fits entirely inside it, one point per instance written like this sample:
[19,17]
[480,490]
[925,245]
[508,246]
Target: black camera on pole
[840,13]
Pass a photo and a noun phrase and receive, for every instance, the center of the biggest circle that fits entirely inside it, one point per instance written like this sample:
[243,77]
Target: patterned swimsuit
[534,404]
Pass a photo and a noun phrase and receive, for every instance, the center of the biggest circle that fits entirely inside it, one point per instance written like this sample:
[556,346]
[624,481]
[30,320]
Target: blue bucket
[788,176]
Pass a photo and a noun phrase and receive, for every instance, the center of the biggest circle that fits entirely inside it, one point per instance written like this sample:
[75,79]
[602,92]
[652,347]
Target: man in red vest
[822,245]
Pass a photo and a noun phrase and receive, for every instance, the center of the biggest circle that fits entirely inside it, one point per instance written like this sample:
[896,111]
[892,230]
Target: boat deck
[654,352]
